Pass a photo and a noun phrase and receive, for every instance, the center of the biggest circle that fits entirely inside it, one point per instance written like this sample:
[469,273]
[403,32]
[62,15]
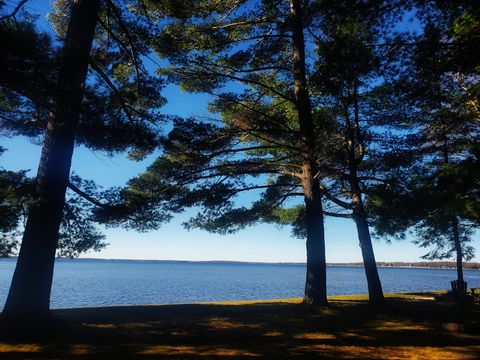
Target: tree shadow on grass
[346,330]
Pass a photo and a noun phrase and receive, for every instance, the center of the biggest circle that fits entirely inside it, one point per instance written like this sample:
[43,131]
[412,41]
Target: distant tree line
[420,264]
[318,108]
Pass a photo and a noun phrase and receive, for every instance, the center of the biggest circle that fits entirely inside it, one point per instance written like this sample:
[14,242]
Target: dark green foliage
[78,232]
[425,206]
[27,78]
[208,165]
[119,111]
[345,86]
[15,188]
[433,180]
[121,102]
[460,21]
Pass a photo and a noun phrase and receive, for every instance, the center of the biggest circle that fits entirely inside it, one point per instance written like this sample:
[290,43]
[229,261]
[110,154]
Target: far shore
[383,264]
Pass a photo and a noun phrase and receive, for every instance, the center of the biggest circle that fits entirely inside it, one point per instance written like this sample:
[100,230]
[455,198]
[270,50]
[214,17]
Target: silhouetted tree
[348,70]
[110,110]
[439,125]
[259,45]
[29,294]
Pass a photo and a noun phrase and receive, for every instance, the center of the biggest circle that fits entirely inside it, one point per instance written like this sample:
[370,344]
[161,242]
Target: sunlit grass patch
[200,351]
[254,302]
[19,348]
[222,323]
[314,336]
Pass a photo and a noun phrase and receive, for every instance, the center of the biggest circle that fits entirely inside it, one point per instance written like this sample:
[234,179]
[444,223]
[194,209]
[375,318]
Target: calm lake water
[115,282]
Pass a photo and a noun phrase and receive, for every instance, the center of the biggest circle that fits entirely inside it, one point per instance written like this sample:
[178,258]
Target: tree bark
[354,138]
[29,295]
[316,281]
[455,234]
[375,292]
[459,254]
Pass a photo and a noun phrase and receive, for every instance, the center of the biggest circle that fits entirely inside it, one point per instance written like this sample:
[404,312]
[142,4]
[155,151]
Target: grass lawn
[412,327]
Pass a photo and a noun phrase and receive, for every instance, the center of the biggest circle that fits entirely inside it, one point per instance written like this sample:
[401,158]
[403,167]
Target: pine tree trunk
[375,292]
[29,295]
[455,235]
[459,253]
[316,282]
[354,139]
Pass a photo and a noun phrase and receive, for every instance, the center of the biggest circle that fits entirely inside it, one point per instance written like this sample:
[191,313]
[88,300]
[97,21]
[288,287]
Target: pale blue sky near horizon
[262,243]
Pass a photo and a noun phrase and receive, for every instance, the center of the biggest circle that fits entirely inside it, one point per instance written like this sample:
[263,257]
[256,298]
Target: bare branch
[338,215]
[372,178]
[335,200]
[87,197]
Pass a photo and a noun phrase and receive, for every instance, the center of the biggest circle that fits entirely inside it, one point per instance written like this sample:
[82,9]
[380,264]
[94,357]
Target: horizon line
[254,262]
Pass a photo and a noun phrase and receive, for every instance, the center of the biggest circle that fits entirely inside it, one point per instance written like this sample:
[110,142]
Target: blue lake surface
[82,282]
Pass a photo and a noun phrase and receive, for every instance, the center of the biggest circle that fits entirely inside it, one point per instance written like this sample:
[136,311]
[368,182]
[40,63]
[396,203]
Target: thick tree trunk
[316,282]
[29,295]
[375,292]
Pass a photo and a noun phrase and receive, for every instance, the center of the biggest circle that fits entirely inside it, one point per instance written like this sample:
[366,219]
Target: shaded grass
[350,328]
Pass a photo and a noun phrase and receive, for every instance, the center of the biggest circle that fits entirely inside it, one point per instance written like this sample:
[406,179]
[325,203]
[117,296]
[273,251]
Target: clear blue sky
[266,243]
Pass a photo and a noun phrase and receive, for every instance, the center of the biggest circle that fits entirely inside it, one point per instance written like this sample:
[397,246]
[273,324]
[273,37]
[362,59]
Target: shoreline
[444,265]
[294,300]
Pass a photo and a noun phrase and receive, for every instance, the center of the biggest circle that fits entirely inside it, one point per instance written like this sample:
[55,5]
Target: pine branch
[241,40]
[253,133]
[257,170]
[272,119]
[118,17]
[209,71]
[75,220]
[264,187]
[251,148]
[120,42]
[241,23]
[112,86]
[15,10]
